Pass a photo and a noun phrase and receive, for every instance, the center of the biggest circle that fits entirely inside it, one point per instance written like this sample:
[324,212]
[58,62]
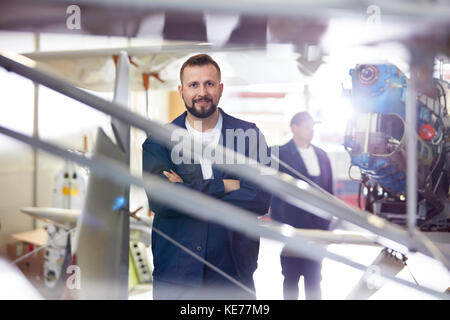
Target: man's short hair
[300,117]
[199,60]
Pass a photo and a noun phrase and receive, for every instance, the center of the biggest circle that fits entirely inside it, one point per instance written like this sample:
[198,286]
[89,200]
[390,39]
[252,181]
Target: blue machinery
[376,142]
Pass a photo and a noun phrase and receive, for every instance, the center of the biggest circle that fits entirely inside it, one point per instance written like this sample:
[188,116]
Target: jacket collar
[227,123]
[293,147]
[181,119]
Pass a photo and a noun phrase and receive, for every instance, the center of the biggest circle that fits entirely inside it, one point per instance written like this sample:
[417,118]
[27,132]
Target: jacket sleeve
[212,187]
[156,159]
[329,174]
[249,196]
[330,180]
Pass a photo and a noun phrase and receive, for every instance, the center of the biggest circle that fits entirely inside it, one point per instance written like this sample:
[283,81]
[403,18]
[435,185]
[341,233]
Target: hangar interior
[264,84]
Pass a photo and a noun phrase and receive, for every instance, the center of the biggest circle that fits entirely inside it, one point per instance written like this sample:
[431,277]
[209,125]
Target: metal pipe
[411,152]
[367,135]
[37,47]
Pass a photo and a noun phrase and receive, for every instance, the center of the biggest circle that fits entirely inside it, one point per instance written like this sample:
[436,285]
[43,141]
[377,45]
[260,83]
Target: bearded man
[177,274]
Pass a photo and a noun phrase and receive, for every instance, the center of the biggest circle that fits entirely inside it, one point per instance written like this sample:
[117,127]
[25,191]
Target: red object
[116,59]
[146,79]
[352,199]
[427,132]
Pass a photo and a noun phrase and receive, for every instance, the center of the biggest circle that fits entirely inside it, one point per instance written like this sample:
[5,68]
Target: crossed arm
[156,160]
[229,184]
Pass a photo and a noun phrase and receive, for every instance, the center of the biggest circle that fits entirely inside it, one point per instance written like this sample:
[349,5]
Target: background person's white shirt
[211,138]
[311,161]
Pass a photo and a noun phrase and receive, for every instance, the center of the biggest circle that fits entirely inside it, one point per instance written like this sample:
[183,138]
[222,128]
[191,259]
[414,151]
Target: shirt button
[199,248]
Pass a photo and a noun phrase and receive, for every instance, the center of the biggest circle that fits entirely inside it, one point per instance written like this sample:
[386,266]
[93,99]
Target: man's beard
[202,113]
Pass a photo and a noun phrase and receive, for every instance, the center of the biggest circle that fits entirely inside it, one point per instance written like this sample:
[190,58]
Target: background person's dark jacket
[286,213]
[231,251]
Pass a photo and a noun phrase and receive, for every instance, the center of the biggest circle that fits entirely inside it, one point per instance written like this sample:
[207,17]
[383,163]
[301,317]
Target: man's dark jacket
[230,251]
[286,213]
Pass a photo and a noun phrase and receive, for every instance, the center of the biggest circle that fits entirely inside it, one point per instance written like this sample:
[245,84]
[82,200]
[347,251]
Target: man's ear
[221,88]
[180,90]
[293,128]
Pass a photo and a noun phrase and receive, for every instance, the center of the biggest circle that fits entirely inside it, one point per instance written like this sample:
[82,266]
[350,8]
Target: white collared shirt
[311,161]
[211,138]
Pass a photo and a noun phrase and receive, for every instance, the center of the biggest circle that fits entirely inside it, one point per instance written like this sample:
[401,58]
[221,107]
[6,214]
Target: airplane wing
[95,69]
[54,214]
[71,216]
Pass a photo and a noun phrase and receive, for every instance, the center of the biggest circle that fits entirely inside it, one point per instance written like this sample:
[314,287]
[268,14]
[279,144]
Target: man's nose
[202,90]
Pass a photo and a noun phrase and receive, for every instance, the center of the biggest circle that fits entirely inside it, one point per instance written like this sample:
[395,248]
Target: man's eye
[194,85]
[209,84]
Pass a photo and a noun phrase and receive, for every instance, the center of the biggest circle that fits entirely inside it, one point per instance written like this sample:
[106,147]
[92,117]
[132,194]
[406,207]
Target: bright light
[336,111]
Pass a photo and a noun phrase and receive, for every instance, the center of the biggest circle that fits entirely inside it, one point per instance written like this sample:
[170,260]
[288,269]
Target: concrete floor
[337,279]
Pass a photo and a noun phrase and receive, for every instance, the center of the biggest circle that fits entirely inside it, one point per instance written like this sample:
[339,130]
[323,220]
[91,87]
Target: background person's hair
[198,60]
[300,117]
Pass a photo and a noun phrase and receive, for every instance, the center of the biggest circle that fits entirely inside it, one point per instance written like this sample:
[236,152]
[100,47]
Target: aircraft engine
[376,141]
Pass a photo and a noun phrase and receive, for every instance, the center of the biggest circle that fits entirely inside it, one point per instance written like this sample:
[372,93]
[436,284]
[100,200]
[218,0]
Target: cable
[194,255]
[409,270]
[359,194]
[43,247]
[431,247]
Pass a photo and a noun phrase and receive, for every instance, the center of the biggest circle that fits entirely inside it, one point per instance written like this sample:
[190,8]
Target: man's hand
[231,185]
[172,176]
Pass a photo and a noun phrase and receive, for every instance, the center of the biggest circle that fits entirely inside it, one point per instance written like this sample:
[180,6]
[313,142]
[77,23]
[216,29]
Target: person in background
[313,163]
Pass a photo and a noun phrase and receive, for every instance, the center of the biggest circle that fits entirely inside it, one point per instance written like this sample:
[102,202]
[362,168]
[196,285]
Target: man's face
[201,90]
[303,131]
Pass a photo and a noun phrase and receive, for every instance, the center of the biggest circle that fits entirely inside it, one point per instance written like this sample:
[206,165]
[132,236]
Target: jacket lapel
[297,160]
[189,171]
[299,165]
[227,123]
[323,168]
